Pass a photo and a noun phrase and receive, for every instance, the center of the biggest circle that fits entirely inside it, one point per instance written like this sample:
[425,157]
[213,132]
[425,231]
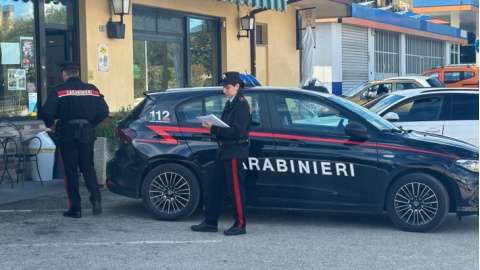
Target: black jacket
[234,140]
[71,101]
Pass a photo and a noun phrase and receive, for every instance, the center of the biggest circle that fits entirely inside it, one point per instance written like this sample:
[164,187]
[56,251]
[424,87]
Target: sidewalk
[29,190]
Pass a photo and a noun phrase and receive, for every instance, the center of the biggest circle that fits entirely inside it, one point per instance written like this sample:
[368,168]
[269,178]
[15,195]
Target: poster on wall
[32,102]
[10,53]
[17,79]
[103,60]
[26,52]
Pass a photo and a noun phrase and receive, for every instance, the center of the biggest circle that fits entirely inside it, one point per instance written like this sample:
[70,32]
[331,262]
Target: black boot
[96,208]
[204,227]
[71,213]
[235,230]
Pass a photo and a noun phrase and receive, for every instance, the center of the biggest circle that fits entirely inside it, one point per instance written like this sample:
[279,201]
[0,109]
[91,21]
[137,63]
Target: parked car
[371,90]
[308,151]
[448,112]
[455,75]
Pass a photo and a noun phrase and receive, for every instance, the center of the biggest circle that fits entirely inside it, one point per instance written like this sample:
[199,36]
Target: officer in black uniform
[72,110]
[233,150]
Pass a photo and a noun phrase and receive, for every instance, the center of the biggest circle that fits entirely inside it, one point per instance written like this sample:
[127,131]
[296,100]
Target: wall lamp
[247,23]
[121,8]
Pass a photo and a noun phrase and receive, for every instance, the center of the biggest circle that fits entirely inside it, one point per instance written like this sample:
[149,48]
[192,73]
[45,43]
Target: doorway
[60,37]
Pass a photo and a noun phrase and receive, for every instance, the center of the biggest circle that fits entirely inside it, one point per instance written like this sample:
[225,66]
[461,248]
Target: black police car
[308,151]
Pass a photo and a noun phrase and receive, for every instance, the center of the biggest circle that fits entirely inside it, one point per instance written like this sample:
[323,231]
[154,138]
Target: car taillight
[126,135]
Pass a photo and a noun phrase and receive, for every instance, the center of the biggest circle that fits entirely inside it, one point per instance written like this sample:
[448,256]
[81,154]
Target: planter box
[102,153]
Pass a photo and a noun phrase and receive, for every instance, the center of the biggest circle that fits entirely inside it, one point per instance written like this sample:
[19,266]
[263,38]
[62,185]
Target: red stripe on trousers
[238,196]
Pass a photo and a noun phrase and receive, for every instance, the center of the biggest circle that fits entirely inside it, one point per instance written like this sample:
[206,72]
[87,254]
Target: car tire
[171,192]
[418,202]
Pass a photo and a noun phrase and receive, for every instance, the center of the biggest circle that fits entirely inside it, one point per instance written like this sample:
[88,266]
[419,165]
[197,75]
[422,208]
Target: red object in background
[455,75]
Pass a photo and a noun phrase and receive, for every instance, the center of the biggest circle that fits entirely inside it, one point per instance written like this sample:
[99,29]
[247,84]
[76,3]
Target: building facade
[372,44]
[167,43]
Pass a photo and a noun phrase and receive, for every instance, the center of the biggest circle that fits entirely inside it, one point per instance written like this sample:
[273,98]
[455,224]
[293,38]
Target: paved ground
[126,237]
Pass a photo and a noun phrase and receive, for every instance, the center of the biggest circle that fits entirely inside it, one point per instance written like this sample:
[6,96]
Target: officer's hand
[206,125]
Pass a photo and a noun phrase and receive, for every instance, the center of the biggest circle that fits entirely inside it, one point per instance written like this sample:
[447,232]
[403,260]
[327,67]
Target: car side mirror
[356,131]
[391,117]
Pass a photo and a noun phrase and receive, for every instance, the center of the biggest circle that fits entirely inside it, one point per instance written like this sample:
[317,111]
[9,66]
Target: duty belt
[78,122]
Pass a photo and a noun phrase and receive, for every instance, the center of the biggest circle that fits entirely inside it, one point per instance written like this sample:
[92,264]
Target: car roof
[418,78]
[438,90]
[219,88]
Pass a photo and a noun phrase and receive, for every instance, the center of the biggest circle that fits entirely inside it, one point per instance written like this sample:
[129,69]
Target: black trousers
[229,173]
[79,155]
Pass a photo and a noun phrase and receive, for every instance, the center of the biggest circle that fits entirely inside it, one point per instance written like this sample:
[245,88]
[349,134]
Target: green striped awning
[278,5]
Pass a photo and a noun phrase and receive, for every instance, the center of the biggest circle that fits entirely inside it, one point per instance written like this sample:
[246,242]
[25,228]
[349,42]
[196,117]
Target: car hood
[443,144]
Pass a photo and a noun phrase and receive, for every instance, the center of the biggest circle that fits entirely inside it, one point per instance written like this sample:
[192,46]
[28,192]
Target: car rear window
[464,107]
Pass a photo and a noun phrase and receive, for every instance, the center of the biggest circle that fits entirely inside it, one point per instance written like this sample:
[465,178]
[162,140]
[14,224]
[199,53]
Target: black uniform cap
[71,66]
[231,77]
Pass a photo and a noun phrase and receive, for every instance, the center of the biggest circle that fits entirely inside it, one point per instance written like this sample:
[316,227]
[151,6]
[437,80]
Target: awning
[278,5]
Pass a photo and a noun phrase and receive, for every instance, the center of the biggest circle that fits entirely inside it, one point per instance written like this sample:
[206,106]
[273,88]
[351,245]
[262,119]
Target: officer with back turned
[233,144]
[73,110]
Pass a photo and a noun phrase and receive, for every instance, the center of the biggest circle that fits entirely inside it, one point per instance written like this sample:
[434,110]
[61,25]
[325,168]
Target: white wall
[328,62]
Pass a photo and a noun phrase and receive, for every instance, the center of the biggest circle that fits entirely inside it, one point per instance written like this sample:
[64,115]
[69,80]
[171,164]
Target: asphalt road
[126,237]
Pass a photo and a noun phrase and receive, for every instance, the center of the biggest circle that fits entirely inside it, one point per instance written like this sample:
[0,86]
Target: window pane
[188,112]
[214,105]
[424,109]
[169,24]
[164,65]
[465,107]
[18,91]
[452,77]
[144,19]
[139,68]
[468,75]
[56,13]
[203,52]
[309,115]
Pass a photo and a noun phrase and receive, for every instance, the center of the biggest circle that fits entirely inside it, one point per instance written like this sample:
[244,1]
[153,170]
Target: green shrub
[107,127]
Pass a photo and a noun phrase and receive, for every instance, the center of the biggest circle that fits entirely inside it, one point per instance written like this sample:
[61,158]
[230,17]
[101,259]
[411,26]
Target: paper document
[212,120]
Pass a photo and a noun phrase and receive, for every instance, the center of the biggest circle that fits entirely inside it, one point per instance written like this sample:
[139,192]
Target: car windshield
[354,90]
[385,103]
[369,116]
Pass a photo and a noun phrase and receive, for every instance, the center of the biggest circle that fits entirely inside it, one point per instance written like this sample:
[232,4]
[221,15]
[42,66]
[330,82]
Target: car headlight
[468,164]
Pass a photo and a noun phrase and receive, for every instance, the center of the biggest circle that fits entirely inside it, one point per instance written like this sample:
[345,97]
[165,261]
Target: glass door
[60,36]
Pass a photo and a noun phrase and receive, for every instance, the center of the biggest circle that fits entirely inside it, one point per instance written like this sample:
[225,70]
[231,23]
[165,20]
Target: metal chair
[26,154]
[22,153]
[9,136]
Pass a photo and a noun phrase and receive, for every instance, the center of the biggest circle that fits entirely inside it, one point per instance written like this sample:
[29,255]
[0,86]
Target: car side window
[406,85]
[420,109]
[188,112]
[452,76]
[464,107]
[468,75]
[309,115]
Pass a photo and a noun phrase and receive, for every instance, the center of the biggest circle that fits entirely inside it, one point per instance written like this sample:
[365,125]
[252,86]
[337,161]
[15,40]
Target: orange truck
[455,75]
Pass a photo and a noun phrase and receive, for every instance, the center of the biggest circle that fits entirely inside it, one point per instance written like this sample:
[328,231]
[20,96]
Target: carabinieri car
[308,151]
